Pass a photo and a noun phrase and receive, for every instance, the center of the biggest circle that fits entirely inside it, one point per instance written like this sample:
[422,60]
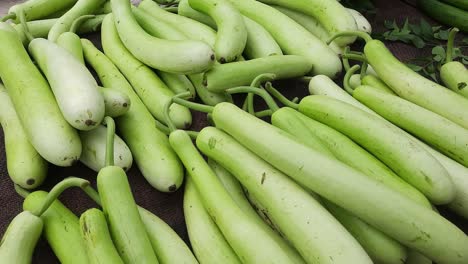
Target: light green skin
[94,150]
[259,43]
[184,9]
[457,172]
[106,8]
[61,229]
[288,120]
[20,239]
[72,43]
[311,24]
[150,147]
[182,57]
[81,8]
[224,76]
[117,103]
[53,138]
[162,29]
[37,9]
[250,243]
[361,21]
[397,216]
[323,85]
[191,28]
[97,239]
[25,166]
[125,225]
[455,76]
[292,37]
[445,13]
[156,27]
[350,153]
[314,232]
[74,87]
[376,83]
[231,36]
[234,188]
[330,14]
[208,243]
[153,92]
[439,132]
[176,82]
[386,141]
[355,80]
[40,28]
[413,87]
[167,245]
[381,248]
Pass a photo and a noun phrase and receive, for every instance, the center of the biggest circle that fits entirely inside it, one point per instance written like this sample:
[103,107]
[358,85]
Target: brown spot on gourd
[30,181]
[172,188]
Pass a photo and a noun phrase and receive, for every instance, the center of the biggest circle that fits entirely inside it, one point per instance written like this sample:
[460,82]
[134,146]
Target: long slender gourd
[152,91]
[395,149]
[236,227]
[331,14]
[95,233]
[24,165]
[81,8]
[208,243]
[74,87]
[224,76]
[234,188]
[40,28]
[183,56]
[439,132]
[231,36]
[345,150]
[412,86]
[453,73]
[53,138]
[445,13]
[94,150]
[314,232]
[38,9]
[292,37]
[150,147]
[311,24]
[116,102]
[259,43]
[397,216]
[61,229]
[167,244]
[191,28]
[72,43]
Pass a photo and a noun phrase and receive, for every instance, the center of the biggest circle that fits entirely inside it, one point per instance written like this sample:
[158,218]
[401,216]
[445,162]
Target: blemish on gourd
[263,178]
[172,188]
[461,85]
[30,181]
[212,143]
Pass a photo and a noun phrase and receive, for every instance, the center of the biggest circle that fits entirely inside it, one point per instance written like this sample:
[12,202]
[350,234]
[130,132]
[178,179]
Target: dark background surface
[169,206]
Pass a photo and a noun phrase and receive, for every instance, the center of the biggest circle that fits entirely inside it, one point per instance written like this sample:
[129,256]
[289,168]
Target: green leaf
[390,24]
[414,67]
[418,42]
[442,34]
[465,40]
[426,29]
[438,53]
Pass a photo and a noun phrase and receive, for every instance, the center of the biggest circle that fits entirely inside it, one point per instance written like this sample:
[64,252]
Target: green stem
[22,192]
[24,25]
[168,119]
[366,37]
[161,127]
[110,140]
[195,106]
[93,194]
[353,56]
[450,43]
[305,79]
[79,21]
[244,105]
[58,189]
[346,84]
[8,17]
[364,69]
[256,83]
[280,96]
[264,113]
[172,9]
[257,91]
[295,99]
[345,59]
